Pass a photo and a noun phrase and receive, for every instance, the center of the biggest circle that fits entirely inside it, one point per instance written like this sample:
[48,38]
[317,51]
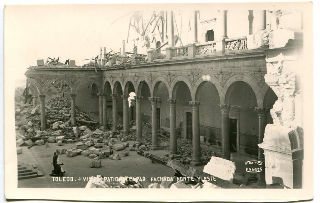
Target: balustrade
[236,44]
[206,49]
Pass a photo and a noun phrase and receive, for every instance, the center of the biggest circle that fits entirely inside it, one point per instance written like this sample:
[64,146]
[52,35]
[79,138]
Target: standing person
[55,164]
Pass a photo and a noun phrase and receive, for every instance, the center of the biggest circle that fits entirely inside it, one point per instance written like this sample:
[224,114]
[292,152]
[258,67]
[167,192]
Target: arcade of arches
[228,119]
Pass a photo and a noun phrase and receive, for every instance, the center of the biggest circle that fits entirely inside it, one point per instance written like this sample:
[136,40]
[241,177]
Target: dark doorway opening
[189,125]
[209,36]
[233,135]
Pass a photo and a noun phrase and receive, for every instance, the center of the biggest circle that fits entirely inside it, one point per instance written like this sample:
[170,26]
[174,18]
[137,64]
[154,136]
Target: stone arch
[117,88]
[129,87]
[246,79]
[201,81]
[107,89]
[34,85]
[156,83]
[140,85]
[94,89]
[175,86]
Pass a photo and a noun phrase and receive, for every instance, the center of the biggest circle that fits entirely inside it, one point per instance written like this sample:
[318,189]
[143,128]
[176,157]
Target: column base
[195,163]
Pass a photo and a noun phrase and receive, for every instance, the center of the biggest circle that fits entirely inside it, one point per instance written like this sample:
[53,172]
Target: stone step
[20,177]
[27,173]
[24,170]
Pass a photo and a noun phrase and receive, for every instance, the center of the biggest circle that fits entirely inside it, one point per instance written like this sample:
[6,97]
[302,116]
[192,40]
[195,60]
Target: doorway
[189,125]
[233,134]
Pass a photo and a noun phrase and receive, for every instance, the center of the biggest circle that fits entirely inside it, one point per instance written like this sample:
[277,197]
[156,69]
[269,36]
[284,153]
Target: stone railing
[181,51]
[236,44]
[208,48]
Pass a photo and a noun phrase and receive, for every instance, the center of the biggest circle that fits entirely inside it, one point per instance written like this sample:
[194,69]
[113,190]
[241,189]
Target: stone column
[114,112]
[73,109]
[104,111]
[43,111]
[153,101]
[125,114]
[171,35]
[225,131]
[138,119]
[222,31]
[34,101]
[250,19]
[262,124]
[195,27]
[173,138]
[100,109]
[196,150]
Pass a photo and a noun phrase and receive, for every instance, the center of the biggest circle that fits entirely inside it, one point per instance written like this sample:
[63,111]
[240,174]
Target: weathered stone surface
[89,143]
[39,142]
[115,156]
[51,139]
[28,142]
[83,128]
[98,145]
[59,138]
[55,125]
[87,132]
[75,131]
[119,147]
[59,143]
[220,168]
[19,142]
[19,150]
[81,145]
[57,133]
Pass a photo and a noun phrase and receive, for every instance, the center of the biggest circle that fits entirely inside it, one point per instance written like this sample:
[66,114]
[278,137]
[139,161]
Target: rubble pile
[97,145]
[59,127]
[184,151]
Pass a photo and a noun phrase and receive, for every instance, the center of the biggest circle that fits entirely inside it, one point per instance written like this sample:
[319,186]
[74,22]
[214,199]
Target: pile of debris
[59,127]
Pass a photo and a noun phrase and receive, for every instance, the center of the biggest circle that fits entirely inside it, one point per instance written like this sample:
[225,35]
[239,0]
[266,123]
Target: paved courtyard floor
[78,167]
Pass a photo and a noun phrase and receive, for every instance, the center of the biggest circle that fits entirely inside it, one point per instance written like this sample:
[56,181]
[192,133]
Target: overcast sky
[77,32]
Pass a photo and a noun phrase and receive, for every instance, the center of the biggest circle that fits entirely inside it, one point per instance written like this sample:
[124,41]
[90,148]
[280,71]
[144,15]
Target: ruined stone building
[239,95]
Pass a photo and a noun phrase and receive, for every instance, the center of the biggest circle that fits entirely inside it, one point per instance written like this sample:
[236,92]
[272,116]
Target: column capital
[114,96]
[172,101]
[154,99]
[225,108]
[194,103]
[261,111]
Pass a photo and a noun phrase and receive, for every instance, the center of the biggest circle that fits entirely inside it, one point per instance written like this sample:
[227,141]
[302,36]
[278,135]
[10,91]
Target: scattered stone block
[39,142]
[20,142]
[51,139]
[85,152]
[119,147]
[83,128]
[89,143]
[59,143]
[19,150]
[75,131]
[28,142]
[126,153]
[220,168]
[55,125]
[98,145]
